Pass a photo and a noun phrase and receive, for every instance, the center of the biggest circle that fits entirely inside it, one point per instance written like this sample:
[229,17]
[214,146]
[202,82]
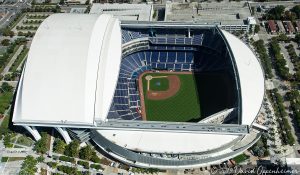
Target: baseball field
[170,96]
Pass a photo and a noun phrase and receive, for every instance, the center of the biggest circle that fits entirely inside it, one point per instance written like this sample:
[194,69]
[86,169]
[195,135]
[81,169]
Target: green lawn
[182,107]
[240,158]
[5,122]
[4,159]
[19,60]
[9,57]
[5,99]
[17,146]
[10,159]
[23,140]
[159,84]
[16,21]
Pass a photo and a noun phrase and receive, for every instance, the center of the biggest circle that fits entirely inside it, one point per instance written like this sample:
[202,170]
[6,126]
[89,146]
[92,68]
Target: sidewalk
[12,60]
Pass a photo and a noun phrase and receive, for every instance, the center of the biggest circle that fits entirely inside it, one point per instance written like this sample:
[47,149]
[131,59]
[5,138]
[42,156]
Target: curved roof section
[251,78]
[169,142]
[71,58]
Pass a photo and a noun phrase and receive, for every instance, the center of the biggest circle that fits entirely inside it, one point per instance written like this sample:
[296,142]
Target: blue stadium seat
[128,117]
[188,41]
[154,57]
[134,97]
[135,35]
[181,57]
[120,107]
[170,66]
[123,112]
[185,66]
[142,59]
[121,93]
[170,48]
[179,41]
[161,66]
[148,56]
[122,80]
[189,57]
[197,39]
[171,40]
[122,86]
[178,67]
[161,40]
[180,48]
[171,57]
[163,57]
[132,91]
[153,65]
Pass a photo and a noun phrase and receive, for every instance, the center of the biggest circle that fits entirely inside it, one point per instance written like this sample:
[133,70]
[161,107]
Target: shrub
[67,169]
[96,166]
[67,159]
[52,164]
[83,163]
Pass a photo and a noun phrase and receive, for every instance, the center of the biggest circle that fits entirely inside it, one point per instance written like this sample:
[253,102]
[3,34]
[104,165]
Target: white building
[230,16]
[70,78]
[125,12]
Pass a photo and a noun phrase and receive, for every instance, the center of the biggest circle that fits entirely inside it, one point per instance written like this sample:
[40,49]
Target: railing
[137,159]
[231,129]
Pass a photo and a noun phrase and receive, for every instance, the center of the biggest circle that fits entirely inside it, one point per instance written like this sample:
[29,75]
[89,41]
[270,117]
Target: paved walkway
[12,60]
[19,68]
[286,56]
[277,150]
[12,83]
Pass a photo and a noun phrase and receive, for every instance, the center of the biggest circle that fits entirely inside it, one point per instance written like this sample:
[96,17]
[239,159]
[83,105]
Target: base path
[174,86]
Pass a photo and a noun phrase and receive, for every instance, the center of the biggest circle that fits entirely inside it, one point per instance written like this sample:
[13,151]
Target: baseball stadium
[174,77]
[167,95]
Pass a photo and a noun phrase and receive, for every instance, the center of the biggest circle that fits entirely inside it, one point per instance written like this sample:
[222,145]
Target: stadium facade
[81,78]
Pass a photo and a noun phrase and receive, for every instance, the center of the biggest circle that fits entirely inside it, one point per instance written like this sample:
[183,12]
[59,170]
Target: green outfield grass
[159,84]
[182,107]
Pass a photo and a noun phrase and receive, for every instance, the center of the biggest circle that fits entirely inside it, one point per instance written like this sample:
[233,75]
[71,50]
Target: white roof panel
[61,77]
[251,78]
[169,142]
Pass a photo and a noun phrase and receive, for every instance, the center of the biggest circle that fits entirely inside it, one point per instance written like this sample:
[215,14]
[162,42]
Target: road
[4,21]
[287,4]
[12,10]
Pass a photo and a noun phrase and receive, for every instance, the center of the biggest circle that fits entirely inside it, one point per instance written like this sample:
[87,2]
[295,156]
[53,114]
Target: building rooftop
[127,12]
[251,20]
[234,13]
[272,25]
[298,25]
[289,26]
[169,142]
